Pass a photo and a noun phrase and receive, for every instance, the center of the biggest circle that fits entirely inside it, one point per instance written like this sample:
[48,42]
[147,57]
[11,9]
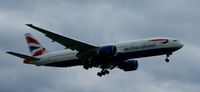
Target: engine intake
[129,65]
[107,51]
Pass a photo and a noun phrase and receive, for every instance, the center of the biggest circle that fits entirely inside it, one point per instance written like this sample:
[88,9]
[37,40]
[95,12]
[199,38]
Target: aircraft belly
[68,63]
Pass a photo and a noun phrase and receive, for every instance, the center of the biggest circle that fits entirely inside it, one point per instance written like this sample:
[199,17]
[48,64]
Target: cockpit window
[175,40]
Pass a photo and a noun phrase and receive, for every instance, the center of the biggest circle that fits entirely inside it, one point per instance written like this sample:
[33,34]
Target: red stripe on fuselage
[155,40]
[163,41]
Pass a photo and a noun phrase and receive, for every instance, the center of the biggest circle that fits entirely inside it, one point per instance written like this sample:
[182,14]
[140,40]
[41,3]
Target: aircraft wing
[67,42]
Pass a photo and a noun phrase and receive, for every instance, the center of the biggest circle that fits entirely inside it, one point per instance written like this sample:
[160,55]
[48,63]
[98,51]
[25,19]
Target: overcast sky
[101,22]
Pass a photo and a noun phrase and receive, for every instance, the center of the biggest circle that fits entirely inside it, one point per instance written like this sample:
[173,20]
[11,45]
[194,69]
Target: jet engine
[107,51]
[129,65]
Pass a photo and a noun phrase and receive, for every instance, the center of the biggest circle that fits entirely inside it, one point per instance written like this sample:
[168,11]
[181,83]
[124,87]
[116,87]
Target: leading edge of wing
[66,41]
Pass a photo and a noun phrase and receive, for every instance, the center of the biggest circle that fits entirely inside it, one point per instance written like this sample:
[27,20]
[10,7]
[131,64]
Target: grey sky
[101,22]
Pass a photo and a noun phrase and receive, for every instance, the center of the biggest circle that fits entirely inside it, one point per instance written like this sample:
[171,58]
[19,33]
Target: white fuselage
[128,50]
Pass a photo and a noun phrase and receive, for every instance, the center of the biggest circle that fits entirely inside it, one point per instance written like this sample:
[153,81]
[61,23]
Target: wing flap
[22,56]
[67,42]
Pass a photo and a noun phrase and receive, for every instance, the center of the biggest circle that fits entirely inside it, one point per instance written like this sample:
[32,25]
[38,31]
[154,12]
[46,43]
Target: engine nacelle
[129,65]
[107,51]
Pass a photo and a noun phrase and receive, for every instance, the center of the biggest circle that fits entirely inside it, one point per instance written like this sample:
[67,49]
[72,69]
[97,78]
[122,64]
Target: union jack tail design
[35,47]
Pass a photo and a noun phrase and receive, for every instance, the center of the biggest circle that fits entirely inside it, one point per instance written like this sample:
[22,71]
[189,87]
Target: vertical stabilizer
[36,49]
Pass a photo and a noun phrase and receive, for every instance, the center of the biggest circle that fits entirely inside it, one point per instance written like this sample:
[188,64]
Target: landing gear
[167,60]
[87,66]
[167,57]
[88,63]
[99,74]
[103,72]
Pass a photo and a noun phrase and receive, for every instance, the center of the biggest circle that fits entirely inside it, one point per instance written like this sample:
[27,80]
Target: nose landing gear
[167,60]
[167,57]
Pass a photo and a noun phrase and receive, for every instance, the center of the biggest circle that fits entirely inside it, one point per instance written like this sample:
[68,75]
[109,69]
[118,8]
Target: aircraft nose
[180,45]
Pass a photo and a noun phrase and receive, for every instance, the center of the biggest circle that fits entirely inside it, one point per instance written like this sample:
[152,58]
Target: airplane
[121,55]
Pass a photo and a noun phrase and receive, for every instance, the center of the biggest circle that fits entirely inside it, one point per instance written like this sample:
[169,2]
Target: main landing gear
[167,57]
[86,67]
[103,72]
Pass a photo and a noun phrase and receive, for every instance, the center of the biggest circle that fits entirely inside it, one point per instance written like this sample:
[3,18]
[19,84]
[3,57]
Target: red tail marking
[31,40]
[38,53]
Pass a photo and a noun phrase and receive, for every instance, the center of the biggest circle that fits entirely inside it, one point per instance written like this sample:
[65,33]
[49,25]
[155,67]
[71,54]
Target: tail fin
[36,49]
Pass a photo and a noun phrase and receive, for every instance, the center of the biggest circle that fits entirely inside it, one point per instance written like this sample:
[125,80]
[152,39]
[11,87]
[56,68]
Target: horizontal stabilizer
[22,56]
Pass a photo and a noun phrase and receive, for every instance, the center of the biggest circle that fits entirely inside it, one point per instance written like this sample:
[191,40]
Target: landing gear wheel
[167,57]
[99,74]
[107,72]
[86,67]
[167,60]
[103,72]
